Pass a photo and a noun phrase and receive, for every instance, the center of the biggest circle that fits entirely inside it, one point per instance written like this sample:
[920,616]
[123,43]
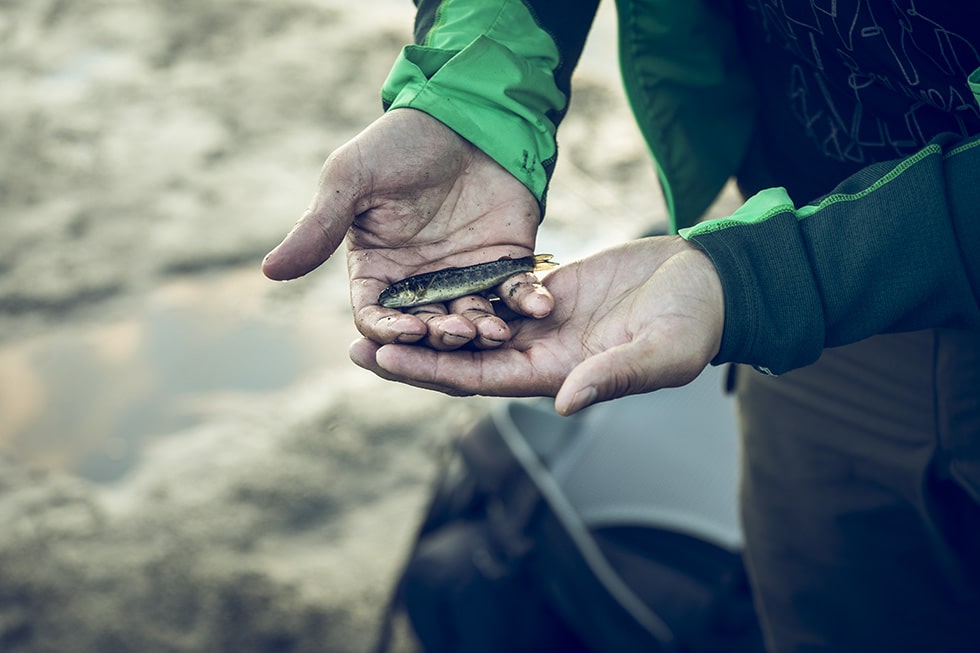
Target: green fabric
[893,175]
[893,248]
[691,94]
[974,81]
[486,70]
[757,208]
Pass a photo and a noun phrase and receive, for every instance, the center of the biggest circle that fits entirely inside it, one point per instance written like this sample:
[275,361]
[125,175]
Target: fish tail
[544,262]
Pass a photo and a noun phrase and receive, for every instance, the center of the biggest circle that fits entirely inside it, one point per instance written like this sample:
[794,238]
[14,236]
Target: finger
[366,353]
[491,330]
[607,375]
[323,226]
[386,326]
[500,372]
[383,325]
[310,242]
[631,368]
[447,331]
[526,295]
[363,353]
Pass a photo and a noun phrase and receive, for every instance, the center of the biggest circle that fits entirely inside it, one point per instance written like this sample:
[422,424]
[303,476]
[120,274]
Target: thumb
[310,242]
[627,369]
[321,230]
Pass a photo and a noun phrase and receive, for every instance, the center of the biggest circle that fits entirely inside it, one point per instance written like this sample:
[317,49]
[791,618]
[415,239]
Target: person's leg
[858,536]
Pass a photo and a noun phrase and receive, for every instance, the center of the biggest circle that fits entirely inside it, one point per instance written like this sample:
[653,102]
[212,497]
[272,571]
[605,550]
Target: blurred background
[188,460]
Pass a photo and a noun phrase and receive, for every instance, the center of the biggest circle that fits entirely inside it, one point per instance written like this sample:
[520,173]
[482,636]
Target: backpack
[613,530]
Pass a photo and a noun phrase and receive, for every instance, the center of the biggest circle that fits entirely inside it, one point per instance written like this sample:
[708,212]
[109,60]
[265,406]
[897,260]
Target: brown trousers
[861,496]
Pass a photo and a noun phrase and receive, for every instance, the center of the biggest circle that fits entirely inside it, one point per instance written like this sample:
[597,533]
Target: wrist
[709,291]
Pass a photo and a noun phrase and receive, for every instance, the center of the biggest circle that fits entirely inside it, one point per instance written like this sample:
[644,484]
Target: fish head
[402,295]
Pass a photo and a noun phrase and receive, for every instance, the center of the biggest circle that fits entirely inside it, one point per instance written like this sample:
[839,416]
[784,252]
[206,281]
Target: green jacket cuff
[892,249]
[490,96]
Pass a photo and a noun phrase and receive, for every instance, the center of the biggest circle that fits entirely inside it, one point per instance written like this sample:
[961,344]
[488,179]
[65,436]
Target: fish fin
[544,262]
[423,289]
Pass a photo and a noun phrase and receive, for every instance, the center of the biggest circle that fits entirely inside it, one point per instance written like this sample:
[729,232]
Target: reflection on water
[87,399]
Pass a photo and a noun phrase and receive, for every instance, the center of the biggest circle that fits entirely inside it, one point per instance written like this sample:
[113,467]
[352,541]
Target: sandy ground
[189,461]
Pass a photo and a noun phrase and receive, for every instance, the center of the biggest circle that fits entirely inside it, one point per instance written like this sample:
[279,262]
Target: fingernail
[581,399]
[539,305]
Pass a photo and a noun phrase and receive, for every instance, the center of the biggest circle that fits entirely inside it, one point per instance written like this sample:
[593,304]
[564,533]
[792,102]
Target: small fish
[452,283]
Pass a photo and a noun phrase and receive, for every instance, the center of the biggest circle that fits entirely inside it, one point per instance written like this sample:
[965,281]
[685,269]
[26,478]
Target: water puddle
[87,399]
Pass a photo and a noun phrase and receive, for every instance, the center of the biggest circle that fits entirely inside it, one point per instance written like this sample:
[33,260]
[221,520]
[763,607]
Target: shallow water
[87,399]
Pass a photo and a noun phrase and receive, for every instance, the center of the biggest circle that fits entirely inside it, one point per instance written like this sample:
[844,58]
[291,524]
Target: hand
[631,319]
[411,196]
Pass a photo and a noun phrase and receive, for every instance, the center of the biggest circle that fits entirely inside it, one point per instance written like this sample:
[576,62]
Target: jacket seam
[890,176]
[961,149]
[725,223]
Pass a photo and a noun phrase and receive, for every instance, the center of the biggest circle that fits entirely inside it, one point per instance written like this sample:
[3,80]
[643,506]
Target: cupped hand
[409,196]
[634,318]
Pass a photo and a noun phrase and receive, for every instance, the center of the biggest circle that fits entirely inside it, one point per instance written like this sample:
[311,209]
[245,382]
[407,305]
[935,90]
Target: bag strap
[526,507]
[512,499]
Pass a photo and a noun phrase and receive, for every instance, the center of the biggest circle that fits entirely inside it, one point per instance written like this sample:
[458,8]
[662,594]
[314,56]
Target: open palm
[634,318]
[409,195]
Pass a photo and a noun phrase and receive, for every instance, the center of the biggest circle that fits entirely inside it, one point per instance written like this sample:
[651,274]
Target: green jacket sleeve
[894,248]
[498,73]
